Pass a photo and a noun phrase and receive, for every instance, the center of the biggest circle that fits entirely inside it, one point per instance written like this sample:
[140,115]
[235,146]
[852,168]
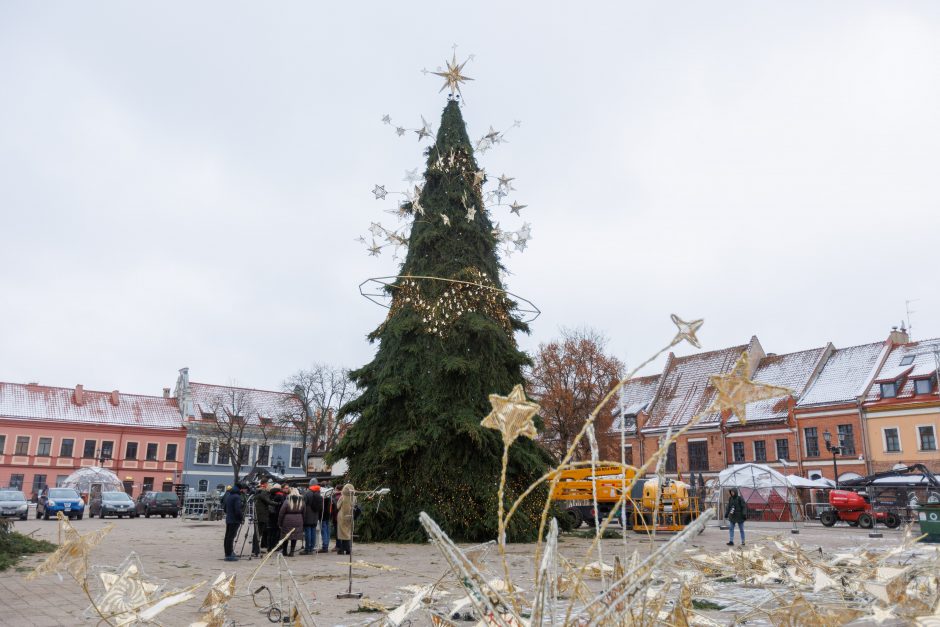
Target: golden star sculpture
[221,591]
[735,390]
[687,331]
[72,554]
[126,591]
[512,415]
[453,76]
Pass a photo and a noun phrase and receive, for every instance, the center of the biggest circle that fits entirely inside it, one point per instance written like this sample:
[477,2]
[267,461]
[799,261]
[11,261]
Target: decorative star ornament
[386,119]
[411,176]
[445,218]
[471,213]
[425,130]
[400,130]
[221,592]
[453,76]
[379,191]
[505,181]
[127,590]
[72,554]
[512,415]
[515,207]
[735,390]
[478,177]
[687,331]
[374,250]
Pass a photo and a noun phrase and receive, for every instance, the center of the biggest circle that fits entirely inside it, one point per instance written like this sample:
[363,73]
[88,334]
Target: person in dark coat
[313,508]
[234,515]
[325,516]
[274,509]
[290,520]
[736,513]
[262,519]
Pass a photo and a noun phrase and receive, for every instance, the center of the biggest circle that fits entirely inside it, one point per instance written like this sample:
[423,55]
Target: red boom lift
[853,505]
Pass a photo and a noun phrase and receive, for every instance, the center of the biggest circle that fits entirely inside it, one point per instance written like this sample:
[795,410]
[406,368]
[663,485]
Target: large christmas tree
[446,344]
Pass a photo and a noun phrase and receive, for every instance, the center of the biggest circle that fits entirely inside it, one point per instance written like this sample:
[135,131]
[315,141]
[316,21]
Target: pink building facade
[46,433]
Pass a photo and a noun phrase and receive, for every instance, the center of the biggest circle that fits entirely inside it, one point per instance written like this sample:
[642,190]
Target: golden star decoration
[72,554]
[221,591]
[687,331]
[126,591]
[735,390]
[453,76]
[512,415]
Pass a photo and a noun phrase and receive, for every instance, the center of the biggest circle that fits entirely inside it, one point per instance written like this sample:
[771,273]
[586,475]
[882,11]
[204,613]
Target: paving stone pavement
[185,552]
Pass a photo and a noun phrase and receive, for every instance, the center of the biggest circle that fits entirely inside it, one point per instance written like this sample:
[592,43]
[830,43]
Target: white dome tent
[92,480]
[769,495]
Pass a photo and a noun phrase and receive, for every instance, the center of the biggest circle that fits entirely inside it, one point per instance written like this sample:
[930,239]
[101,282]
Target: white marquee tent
[769,495]
[84,478]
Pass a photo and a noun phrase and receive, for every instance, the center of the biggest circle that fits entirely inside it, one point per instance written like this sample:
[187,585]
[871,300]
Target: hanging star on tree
[478,177]
[504,181]
[445,218]
[425,130]
[735,390]
[400,130]
[687,331]
[379,191]
[471,213]
[515,207]
[374,249]
[453,76]
[386,119]
[512,415]
[411,176]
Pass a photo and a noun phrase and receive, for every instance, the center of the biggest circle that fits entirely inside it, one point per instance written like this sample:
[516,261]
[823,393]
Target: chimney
[898,336]
[166,392]
[115,398]
[79,394]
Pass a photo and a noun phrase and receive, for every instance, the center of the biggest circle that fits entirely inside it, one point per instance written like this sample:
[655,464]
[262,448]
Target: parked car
[65,500]
[163,503]
[13,503]
[112,504]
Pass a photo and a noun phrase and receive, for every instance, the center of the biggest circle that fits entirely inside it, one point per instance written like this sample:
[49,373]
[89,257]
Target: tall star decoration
[453,76]
[515,207]
[72,554]
[512,415]
[687,331]
[379,191]
[735,390]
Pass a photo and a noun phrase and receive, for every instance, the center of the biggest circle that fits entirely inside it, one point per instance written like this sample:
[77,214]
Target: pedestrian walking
[313,508]
[234,516]
[291,520]
[736,514]
[344,519]
[326,516]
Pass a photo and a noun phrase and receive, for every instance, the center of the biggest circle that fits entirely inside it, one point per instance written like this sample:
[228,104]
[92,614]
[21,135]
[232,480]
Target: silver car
[111,504]
[13,503]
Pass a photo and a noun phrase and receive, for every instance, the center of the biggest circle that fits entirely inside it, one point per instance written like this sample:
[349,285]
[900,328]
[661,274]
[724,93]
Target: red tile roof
[41,402]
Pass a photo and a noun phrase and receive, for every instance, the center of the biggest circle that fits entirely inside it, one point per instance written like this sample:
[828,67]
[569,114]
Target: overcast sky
[181,184]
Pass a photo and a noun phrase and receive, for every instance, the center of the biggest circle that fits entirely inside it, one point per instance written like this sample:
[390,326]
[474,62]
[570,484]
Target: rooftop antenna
[910,327]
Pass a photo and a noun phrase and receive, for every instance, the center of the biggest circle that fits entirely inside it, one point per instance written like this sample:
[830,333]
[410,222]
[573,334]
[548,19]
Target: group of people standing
[282,510]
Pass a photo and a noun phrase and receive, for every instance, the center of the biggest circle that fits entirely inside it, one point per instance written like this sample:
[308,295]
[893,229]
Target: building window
[628,455]
[152,449]
[3,443]
[148,484]
[671,464]
[16,482]
[783,448]
[928,440]
[22,445]
[760,451]
[846,439]
[44,448]
[811,436]
[244,454]
[39,482]
[889,390]
[296,457]
[107,449]
[907,360]
[698,455]
[89,451]
[130,451]
[223,457]
[60,480]
[202,454]
[167,486]
[203,485]
[923,386]
[892,441]
[171,452]
[264,452]
[67,447]
[737,451]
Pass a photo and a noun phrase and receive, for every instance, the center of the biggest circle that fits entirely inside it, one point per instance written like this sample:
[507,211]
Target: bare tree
[568,379]
[236,424]
[321,391]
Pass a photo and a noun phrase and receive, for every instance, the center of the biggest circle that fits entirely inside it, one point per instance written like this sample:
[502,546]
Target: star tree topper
[512,415]
[735,390]
[453,76]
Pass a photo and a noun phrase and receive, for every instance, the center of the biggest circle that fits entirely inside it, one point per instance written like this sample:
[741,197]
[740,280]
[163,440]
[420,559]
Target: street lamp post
[835,450]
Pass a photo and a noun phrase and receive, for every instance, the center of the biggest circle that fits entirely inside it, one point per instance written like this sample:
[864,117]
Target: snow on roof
[843,376]
[792,370]
[41,402]
[248,402]
[904,364]
[636,395]
[685,390]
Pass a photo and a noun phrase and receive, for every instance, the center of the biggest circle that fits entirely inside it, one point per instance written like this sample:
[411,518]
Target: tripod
[252,527]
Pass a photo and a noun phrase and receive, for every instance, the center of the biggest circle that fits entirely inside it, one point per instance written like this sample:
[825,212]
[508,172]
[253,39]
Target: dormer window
[907,360]
[923,386]
[889,390]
